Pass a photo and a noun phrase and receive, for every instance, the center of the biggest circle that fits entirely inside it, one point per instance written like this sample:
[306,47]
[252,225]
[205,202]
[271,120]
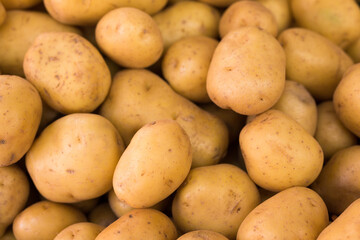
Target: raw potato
[102,215]
[187,18]
[279,153]
[14,192]
[18,33]
[295,213]
[202,235]
[215,198]
[217,3]
[247,13]
[330,132]
[247,71]
[88,147]
[185,66]
[68,71]
[153,165]
[354,50]
[130,37]
[20,111]
[139,96]
[87,205]
[2,15]
[149,223]
[44,220]
[80,231]
[281,11]
[337,20]
[19,4]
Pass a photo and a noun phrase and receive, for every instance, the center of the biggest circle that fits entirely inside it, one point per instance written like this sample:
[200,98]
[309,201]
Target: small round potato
[80,231]
[19,4]
[202,235]
[281,11]
[102,215]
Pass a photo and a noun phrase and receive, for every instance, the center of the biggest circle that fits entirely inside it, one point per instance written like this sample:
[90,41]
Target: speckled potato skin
[19,4]
[201,235]
[295,213]
[281,11]
[68,71]
[80,231]
[14,192]
[20,111]
[150,224]
[216,198]
[245,74]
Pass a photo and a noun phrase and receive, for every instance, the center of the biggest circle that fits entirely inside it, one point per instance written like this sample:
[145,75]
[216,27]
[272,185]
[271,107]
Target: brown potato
[19,4]
[202,235]
[281,11]
[80,231]
[87,205]
[102,215]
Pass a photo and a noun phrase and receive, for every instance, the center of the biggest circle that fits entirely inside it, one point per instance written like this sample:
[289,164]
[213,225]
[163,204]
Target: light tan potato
[330,132]
[354,50]
[314,61]
[337,20]
[217,3]
[338,183]
[247,14]
[185,65]
[87,205]
[14,192]
[89,13]
[44,220]
[247,71]
[80,231]
[68,71]
[130,37]
[281,11]
[139,96]
[20,111]
[2,13]
[19,4]
[347,100]
[202,235]
[102,215]
[279,153]
[153,225]
[346,226]
[214,203]
[295,213]
[18,33]
[88,147]
[187,18]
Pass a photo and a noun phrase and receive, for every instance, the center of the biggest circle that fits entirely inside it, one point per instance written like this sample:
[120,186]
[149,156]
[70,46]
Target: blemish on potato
[2,141]
[70,171]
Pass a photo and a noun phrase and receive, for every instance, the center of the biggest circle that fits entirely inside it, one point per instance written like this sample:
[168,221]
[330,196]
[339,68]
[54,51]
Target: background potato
[201,235]
[44,220]
[20,111]
[18,33]
[102,215]
[9,235]
[19,4]
[281,11]
[216,3]
[2,13]
[80,231]
[354,50]
[87,205]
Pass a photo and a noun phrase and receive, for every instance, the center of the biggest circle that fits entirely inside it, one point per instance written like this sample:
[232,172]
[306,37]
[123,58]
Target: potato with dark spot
[19,4]
[80,231]
[202,235]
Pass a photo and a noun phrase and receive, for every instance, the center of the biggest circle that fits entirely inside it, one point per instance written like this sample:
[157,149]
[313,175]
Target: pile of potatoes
[179,119]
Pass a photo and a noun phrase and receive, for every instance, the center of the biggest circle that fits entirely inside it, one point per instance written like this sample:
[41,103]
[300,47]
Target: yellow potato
[2,13]
[19,4]
[130,37]
[48,116]
[216,3]
[14,192]
[185,66]
[337,20]
[146,224]
[68,71]
[295,213]
[215,198]
[102,215]
[44,220]
[187,18]
[247,71]
[87,205]
[88,147]
[139,96]
[80,231]
[202,235]
[18,33]
[20,111]
[247,13]
[354,50]
[281,11]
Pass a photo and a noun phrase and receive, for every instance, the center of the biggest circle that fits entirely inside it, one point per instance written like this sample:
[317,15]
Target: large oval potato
[80,231]
[202,235]
[247,71]
[281,11]
[20,111]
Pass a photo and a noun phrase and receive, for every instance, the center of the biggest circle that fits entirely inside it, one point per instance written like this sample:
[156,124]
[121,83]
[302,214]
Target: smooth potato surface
[80,231]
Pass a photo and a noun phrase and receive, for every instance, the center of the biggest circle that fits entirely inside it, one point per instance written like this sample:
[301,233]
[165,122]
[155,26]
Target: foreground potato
[201,235]
[20,111]
[74,158]
[80,231]
[247,71]
[295,213]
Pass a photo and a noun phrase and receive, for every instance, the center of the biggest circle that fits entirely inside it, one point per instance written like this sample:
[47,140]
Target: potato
[87,205]
[19,4]
[48,116]
[338,183]
[281,11]
[130,37]
[347,100]
[68,71]
[152,225]
[346,226]
[354,50]
[2,13]
[279,153]
[18,33]
[187,18]
[139,96]
[295,213]
[185,66]
[247,71]
[102,215]
[337,20]
[14,192]
[88,147]
[215,198]
[20,111]
[89,13]
[80,231]
[247,13]
[201,235]
[217,3]
[330,132]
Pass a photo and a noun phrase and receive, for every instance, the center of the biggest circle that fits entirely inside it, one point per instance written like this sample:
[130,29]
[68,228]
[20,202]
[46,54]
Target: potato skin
[2,13]
[21,110]
[80,231]
[281,11]
[19,4]
[245,74]
[201,235]
[102,215]
[216,3]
